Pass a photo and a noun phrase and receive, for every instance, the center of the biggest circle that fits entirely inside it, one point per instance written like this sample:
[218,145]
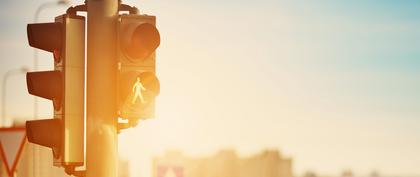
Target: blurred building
[347,173]
[123,168]
[310,174]
[374,174]
[226,163]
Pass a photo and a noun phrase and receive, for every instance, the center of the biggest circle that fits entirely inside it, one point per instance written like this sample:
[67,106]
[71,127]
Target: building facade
[225,163]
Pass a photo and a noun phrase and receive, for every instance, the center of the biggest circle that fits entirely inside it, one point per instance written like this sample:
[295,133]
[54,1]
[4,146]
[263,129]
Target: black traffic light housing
[64,85]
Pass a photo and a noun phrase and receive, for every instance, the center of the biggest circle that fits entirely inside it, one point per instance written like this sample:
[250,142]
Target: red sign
[170,171]
[12,141]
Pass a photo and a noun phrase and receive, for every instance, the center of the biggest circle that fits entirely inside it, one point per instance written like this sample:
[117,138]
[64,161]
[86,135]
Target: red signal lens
[57,55]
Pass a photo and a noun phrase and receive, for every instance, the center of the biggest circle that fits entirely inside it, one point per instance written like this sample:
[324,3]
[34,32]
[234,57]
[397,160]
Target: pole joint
[131,9]
[72,11]
[71,170]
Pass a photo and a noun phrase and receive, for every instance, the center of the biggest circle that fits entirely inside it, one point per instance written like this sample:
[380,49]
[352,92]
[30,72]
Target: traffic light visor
[45,84]
[45,36]
[46,132]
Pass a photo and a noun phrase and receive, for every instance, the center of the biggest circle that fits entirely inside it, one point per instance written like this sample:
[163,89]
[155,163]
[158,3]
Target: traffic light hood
[45,36]
[45,84]
[46,132]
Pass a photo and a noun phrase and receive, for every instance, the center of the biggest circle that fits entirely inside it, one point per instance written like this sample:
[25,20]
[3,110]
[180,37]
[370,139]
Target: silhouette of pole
[4,87]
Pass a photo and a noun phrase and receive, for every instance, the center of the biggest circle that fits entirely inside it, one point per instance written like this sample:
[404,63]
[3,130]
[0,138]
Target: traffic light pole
[101,123]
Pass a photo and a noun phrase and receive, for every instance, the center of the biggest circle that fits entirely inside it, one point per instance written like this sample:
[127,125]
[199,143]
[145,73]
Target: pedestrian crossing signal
[138,88]
[138,85]
[138,93]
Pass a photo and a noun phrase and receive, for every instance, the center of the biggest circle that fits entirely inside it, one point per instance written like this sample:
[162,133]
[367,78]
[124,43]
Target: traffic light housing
[65,38]
[138,85]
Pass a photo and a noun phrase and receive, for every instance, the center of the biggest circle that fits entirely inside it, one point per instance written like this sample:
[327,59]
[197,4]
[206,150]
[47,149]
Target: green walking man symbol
[137,88]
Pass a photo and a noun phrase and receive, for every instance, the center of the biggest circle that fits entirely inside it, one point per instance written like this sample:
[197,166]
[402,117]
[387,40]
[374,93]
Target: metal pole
[101,134]
[3,97]
[3,94]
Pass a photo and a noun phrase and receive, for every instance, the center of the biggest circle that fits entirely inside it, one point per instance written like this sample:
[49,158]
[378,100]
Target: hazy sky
[332,84]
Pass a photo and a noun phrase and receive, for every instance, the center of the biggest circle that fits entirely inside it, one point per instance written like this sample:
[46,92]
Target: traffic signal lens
[137,93]
[150,82]
[57,55]
[144,41]
[135,85]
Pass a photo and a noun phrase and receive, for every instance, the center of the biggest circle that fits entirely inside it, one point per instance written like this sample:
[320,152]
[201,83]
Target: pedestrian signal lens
[138,93]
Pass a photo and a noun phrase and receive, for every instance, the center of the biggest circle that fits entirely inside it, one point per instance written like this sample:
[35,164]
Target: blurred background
[333,86]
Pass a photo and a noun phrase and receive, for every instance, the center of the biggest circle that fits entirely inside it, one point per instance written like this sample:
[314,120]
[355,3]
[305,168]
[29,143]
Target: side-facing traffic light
[65,38]
[137,83]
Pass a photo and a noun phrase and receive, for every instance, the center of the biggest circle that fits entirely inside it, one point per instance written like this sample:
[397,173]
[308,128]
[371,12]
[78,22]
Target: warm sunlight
[270,88]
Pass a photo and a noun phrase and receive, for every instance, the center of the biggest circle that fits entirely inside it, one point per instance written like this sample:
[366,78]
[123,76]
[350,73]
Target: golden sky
[334,85]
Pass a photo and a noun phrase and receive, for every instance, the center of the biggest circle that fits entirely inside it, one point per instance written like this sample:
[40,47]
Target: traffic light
[138,85]
[65,38]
